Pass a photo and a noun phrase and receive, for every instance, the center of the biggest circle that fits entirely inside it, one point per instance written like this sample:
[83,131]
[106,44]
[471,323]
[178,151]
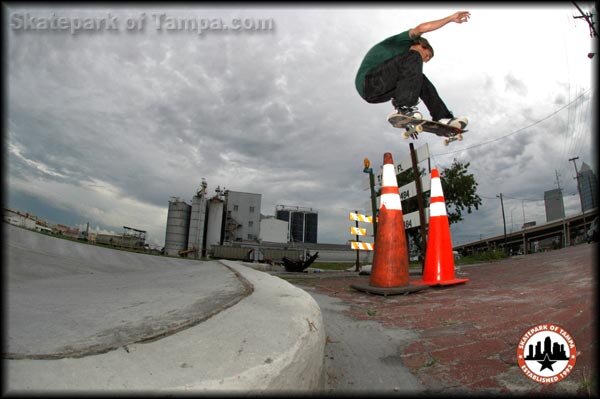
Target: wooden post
[373,201]
[413,157]
[358,250]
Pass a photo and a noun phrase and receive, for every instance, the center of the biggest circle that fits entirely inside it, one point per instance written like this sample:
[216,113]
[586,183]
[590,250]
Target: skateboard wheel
[405,135]
[418,128]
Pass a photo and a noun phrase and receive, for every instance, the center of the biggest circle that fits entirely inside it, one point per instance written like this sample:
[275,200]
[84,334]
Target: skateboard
[415,126]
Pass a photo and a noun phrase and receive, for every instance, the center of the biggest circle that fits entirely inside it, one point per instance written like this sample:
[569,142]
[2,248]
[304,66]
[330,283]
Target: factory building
[242,221]
[302,222]
[274,230]
[232,218]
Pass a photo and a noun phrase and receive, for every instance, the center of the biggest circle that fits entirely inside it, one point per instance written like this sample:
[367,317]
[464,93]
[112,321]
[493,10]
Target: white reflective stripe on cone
[437,209]
[391,201]
[389,176]
[436,187]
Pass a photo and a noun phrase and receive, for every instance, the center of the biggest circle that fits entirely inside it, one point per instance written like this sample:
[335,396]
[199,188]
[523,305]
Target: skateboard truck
[413,130]
[450,139]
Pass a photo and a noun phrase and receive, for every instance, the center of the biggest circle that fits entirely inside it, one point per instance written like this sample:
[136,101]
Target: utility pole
[563,209]
[578,188]
[577,177]
[503,219]
[588,19]
[560,192]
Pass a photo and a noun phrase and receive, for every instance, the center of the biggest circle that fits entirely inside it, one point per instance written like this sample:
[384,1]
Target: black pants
[401,79]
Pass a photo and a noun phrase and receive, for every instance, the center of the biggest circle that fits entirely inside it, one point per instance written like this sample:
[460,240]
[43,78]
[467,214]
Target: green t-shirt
[380,53]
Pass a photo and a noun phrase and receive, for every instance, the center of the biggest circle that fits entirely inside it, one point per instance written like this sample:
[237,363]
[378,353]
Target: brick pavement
[468,333]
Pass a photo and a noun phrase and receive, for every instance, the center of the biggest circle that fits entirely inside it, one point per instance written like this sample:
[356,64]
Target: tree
[460,190]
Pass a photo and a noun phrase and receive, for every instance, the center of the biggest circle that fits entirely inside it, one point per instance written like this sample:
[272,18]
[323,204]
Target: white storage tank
[178,225]
[214,222]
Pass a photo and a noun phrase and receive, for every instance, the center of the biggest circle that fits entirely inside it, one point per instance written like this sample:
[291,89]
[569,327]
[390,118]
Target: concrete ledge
[285,333]
[271,340]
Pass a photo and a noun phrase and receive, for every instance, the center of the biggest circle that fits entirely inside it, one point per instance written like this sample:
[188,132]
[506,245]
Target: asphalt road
[462,339]
[362,355]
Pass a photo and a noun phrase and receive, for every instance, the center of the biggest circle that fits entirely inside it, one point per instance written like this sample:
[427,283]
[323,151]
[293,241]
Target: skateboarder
[393,70]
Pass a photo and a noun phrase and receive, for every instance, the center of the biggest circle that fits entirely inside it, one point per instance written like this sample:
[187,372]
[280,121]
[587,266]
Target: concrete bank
[83,318]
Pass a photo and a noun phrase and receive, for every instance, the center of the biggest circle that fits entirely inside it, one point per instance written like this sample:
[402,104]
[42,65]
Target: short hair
[424,43]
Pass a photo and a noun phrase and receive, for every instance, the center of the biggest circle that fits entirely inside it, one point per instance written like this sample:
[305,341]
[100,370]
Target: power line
[521,129]
[509,197]
[523,199]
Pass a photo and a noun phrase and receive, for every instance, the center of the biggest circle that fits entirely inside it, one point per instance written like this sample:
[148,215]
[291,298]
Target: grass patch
[333,265]
[430,362]
[487,256]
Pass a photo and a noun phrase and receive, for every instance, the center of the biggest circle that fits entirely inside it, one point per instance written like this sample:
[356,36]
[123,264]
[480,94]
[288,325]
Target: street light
[369,170]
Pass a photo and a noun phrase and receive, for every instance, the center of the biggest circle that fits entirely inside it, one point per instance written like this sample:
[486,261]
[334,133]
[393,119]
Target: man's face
[425,53]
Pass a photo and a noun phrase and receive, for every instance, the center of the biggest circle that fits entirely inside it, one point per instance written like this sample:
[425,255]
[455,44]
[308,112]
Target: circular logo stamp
[546,353]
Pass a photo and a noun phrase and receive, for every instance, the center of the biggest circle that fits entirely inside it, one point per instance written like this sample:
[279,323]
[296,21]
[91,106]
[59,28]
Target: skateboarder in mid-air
[393,70]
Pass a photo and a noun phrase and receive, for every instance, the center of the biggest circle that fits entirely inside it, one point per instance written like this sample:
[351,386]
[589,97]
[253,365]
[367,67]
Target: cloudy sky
[105,125]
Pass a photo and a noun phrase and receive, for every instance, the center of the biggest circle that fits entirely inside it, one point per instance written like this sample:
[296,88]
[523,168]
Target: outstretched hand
[460,17]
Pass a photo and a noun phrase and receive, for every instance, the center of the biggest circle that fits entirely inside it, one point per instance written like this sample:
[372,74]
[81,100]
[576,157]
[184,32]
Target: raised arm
[459,17]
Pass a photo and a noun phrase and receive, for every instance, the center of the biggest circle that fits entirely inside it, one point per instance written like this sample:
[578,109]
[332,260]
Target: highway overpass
[562,233]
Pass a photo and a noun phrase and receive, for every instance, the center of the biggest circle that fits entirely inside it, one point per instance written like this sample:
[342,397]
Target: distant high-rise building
[302,222]
[588,188]
[555,209]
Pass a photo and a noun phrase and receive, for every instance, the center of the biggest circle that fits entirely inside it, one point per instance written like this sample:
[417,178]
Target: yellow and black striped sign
[364,246]
[361,218]
[358,231]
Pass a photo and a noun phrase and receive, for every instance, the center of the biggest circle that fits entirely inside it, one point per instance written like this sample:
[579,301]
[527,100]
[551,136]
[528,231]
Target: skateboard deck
[415,126]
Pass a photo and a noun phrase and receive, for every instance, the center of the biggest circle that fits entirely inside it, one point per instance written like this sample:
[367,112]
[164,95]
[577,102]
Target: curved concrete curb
[286,336]
[273,339]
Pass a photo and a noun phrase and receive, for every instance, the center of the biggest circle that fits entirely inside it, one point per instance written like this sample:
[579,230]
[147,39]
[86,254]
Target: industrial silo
[197,225]
[302,222]
[311,222]
[178,225]
[297,227]
[214,222]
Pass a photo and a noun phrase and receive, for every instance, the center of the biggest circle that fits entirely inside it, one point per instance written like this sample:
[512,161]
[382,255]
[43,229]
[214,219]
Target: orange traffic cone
[389,273]
[439,259]
[390,260]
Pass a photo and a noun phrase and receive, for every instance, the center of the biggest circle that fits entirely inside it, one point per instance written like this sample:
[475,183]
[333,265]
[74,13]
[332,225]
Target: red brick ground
[468,333]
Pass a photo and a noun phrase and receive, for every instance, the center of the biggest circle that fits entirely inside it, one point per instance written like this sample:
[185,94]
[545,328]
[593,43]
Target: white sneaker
[460,122]
[411,112]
